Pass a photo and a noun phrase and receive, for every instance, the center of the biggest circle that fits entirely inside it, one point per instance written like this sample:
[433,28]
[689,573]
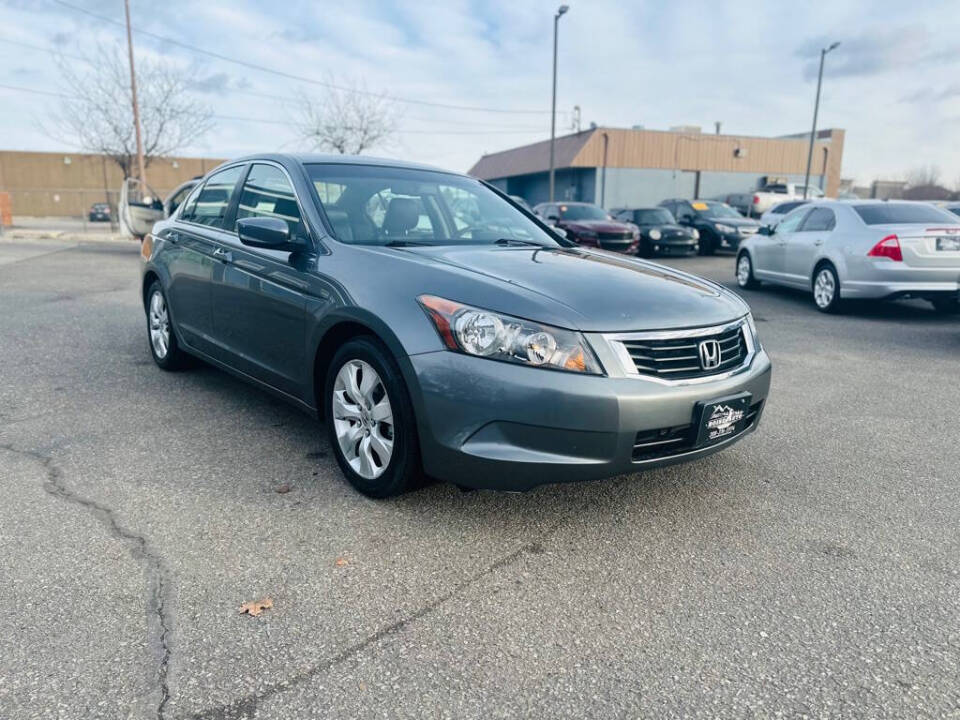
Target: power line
[269,121]
[292,76]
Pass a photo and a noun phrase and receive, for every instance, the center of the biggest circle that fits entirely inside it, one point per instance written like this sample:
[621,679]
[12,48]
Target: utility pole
[816,109]
[553,107]
[141,166]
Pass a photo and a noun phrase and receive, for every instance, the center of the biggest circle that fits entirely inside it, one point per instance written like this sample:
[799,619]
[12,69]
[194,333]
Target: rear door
[260,295]
[803,247]
[192,242]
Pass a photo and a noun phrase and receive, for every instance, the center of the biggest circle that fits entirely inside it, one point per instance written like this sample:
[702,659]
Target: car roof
[315,158]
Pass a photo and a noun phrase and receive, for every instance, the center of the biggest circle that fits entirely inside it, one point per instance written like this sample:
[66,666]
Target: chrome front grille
[675,355]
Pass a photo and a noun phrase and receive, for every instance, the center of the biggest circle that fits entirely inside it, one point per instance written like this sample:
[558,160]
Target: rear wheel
[947,305]
[745,278]
[370,420]
[826,289]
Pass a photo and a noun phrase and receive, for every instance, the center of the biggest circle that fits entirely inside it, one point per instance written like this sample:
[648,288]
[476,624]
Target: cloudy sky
[893,84]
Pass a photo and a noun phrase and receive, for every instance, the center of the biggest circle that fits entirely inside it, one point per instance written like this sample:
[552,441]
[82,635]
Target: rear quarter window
[897,213]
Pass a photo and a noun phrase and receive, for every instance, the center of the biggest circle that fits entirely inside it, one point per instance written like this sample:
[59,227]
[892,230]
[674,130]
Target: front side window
[211,204]
[792,221]
[268,193]
[819,220]
[373,205]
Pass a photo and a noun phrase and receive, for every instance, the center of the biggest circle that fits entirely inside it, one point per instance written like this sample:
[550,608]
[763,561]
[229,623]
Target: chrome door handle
[222,255]
[818,242]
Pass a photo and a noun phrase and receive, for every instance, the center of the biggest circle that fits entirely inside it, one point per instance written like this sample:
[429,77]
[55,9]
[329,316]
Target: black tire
[644,251]
[836,304]
[750,283]
[946,305]
[174,358]
[403,471]
[708,246]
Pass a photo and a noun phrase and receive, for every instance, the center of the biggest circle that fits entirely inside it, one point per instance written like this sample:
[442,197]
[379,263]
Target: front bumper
[488,424]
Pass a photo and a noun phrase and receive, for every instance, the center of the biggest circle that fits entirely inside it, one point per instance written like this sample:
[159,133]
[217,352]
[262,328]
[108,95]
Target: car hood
[598,291]
[596,225]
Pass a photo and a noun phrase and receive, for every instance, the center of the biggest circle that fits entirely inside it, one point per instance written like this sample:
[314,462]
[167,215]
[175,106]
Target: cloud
[872,53]
[932,94]
[219,83]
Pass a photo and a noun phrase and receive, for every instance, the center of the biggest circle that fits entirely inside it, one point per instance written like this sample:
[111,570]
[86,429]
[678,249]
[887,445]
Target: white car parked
[868,249]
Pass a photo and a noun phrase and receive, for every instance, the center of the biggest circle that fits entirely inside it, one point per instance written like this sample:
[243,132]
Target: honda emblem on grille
[709,354]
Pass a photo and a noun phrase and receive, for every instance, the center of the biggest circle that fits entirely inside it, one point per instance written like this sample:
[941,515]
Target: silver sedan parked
[869,249]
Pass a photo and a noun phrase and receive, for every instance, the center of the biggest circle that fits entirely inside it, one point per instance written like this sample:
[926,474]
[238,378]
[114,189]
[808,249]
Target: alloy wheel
[363,419]
[159,325]
[824,288]
[743,271]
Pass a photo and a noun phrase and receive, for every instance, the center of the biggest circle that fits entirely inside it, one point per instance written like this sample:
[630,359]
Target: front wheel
[745,278]
[370,420]
[826,289]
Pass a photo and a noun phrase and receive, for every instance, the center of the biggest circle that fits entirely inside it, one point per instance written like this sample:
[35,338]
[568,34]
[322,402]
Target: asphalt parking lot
[810,571]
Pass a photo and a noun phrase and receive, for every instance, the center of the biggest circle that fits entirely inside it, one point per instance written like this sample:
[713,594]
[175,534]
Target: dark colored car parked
[719,225]
[99,212]
[440,330]
[590,225]
[659,232]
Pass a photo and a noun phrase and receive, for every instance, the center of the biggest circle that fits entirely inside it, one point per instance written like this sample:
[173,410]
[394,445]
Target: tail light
[889,247]
[756,199]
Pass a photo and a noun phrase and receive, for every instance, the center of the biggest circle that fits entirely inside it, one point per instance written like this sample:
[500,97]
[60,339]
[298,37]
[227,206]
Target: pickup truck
[758,202]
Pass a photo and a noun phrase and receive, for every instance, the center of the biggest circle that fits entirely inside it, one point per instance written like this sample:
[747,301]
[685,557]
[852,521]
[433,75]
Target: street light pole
[553,106]
[816,109]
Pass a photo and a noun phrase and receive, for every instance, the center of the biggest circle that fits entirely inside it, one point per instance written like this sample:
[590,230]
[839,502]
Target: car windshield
[654,216]
[583,212]
[895,213]
[376,205]
[715,210]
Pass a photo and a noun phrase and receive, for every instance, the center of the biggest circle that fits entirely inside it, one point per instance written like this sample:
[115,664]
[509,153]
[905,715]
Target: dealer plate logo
[722,421]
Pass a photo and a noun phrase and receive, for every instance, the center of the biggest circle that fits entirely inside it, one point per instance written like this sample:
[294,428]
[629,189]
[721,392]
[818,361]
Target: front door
[771,263]
[803,247]
[191,258]
[260,296]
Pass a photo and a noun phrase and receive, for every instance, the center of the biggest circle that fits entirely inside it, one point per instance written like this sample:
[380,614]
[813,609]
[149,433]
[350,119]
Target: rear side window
[893,213]
[268,193]
[210,206]
[819,220]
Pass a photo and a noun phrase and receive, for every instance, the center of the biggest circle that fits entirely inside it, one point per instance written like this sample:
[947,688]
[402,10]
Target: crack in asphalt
[246,707]
[156,595]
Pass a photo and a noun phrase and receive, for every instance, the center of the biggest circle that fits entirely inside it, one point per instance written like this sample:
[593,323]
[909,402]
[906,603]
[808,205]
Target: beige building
[68,183]
[618,167]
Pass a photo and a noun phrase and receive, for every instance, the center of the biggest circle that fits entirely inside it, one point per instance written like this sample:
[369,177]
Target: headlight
[753,331]
[483,333]
[654,234]
[721,228]
[696,233]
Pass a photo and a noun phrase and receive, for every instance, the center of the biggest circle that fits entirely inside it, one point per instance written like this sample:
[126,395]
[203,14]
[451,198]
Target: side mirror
[765,230]
[553,219]
[266,232]
[559,231]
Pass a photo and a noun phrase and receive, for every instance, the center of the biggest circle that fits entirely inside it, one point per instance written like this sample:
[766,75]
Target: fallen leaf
[341,562]
[283,489]
[256,607]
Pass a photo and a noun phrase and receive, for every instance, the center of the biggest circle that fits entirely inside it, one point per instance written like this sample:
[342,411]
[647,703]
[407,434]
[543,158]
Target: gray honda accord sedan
[440,329]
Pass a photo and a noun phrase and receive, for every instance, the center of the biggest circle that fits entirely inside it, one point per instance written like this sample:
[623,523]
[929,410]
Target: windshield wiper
[517,241]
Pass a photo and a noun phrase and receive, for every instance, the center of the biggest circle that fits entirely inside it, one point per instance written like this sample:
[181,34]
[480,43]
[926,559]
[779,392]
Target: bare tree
[348,119]
[96,114]
[925,175]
